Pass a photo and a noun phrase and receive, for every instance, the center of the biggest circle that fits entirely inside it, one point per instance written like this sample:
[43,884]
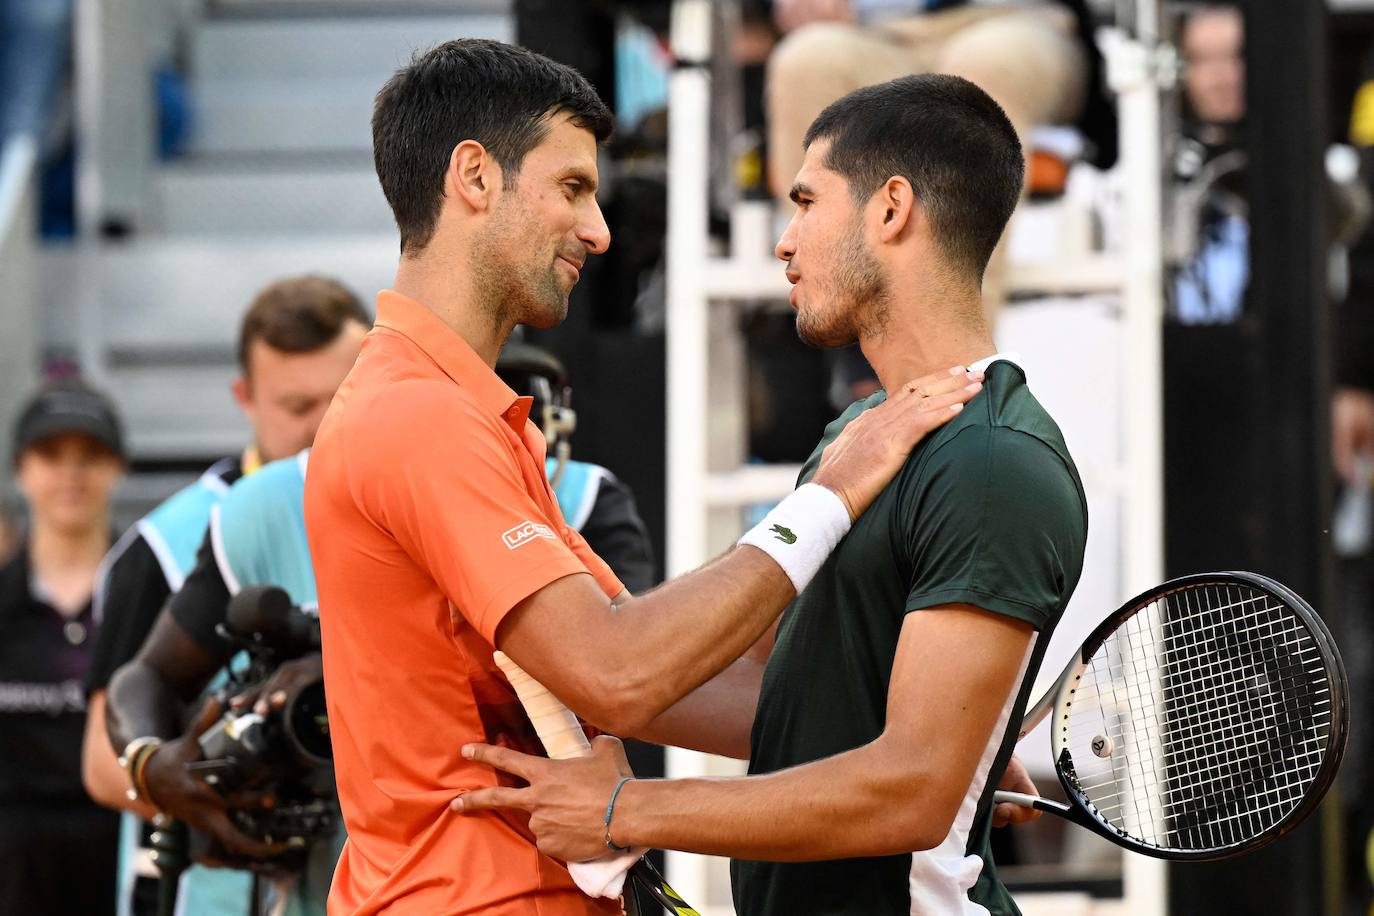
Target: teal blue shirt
[256,533]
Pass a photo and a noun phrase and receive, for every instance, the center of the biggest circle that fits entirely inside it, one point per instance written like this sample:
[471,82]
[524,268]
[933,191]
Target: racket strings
[1214,711]
[1226,775]
[1217,777]
[1234,772]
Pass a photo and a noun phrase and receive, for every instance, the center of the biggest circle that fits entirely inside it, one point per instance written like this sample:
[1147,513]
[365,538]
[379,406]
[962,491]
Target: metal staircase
[276,179]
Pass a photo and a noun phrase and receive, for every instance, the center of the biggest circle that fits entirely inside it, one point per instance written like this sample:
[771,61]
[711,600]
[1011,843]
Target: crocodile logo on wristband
[783,534]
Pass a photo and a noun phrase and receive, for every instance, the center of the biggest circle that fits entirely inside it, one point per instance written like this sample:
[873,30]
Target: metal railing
[18,279]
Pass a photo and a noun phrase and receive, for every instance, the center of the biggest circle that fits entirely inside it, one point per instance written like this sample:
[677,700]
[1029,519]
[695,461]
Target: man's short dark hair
[945,136]
[472,89]
[299,315]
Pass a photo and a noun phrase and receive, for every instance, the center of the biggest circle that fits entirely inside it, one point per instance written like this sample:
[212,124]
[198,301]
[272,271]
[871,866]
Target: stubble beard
[859,301]
[514,292]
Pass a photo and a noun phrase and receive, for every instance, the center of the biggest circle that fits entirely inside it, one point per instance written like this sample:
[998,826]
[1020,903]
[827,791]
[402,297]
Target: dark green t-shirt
[987,511]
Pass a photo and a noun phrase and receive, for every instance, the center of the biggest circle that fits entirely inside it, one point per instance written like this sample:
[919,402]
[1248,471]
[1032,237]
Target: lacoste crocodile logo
[784,534]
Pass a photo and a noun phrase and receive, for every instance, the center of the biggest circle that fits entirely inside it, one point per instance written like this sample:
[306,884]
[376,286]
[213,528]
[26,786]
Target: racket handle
[555,723]
[563,737]
[1034,801]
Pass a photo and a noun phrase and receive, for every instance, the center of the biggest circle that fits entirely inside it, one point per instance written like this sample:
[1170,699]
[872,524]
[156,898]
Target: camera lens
[307,725]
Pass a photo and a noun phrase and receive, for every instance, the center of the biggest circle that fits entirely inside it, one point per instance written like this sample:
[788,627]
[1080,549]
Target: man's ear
[243,394]
[473,176]
[896,203]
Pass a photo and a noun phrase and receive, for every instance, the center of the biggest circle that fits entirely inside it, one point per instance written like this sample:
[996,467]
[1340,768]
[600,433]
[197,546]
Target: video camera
[285,754]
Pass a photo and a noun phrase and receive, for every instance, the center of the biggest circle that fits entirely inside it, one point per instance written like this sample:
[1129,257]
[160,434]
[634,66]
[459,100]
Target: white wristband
[801,531]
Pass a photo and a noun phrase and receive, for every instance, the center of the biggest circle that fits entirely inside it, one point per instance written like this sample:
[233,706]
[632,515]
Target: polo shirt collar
[1005,356]
[453,355]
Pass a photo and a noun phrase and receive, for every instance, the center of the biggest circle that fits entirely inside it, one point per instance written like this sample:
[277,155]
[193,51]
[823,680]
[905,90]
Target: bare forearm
[717,717]
[861,803]
[141,704]
[621,666]
[671,641]
[105,780]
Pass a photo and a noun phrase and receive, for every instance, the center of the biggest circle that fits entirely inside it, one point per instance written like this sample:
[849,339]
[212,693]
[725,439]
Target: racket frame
[1059,697]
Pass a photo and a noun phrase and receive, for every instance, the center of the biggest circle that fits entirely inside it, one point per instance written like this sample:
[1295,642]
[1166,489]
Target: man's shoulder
[270,479]
[276,488]
[175,529]
[130,551]
[1005,417]
[192,502]
[414,405]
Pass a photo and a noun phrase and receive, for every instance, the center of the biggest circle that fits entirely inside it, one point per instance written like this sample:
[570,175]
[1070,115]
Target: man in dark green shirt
[882,713]
[989,513]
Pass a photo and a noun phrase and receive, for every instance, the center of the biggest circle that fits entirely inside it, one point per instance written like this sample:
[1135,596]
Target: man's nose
[786,249]
[594,233]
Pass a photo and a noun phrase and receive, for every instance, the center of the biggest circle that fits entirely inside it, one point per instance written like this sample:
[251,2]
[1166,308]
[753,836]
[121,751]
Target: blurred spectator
[1212,219]
[57,847]
[1215,241]
[1034,58]
[1213,44]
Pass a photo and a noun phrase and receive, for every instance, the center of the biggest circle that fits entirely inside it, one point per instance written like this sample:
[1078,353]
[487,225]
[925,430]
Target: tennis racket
[1204,719]
[563,737]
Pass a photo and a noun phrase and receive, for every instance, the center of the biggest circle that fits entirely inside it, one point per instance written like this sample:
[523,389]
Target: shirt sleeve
[203,603]
[997,523]
[443,478]
[133,592]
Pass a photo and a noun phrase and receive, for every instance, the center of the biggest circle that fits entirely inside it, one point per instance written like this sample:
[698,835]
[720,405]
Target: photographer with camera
[296,343]
[227,792]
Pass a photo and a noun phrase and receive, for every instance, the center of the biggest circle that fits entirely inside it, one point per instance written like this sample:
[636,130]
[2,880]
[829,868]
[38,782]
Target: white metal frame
[706,477]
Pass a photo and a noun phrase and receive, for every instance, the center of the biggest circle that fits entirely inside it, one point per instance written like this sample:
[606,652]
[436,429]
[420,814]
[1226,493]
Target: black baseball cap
[68,407]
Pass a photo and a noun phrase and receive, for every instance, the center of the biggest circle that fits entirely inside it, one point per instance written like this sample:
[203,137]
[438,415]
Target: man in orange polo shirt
[433,530]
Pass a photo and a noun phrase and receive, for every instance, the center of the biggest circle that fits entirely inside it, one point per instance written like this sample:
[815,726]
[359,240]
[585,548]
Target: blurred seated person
[57,847]
[1212,39]
[1032,56]
[1213,219]
[1210,286]
[594,502]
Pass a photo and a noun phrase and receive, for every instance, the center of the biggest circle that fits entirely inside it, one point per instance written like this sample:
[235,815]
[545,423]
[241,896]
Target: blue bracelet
[610,810]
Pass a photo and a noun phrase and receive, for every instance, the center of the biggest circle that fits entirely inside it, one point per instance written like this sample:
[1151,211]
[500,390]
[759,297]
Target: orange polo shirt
[429,518]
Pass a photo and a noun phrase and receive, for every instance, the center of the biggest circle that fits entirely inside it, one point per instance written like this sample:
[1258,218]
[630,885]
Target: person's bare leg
[809,69]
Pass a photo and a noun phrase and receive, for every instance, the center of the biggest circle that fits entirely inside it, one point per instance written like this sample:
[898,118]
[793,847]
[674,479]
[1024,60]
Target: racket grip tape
[557,727]
[1046,805]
